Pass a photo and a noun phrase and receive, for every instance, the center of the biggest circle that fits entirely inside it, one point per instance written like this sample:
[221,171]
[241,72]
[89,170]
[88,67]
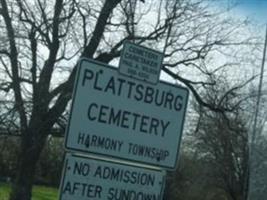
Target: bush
[50,164]
[9,149]
[48,171]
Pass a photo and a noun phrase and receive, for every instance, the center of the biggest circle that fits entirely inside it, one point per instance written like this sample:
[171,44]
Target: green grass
[4,191]
[39,192]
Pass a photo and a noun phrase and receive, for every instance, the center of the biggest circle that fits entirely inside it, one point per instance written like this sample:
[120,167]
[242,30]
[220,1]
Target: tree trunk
[31,148]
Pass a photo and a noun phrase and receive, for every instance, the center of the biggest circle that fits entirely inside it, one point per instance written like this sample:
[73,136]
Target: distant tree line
[49,167]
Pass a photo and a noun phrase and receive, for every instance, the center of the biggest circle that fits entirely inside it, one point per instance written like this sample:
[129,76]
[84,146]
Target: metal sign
[140,62]
[113,115]
[87,178]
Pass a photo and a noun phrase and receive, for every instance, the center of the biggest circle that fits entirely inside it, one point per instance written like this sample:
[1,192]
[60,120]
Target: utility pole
[132,20]
[255,133]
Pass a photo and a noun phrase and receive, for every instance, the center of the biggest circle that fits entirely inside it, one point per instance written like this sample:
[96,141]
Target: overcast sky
[256,9]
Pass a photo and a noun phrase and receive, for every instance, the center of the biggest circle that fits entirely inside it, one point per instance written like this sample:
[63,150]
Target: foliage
[49,166]
[195,179]
[258,175]
[8,156]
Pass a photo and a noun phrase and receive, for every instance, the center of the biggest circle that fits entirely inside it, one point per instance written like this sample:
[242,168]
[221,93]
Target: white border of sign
[170,142]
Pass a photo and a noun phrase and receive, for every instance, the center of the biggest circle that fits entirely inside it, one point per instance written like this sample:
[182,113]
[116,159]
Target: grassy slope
[39,192]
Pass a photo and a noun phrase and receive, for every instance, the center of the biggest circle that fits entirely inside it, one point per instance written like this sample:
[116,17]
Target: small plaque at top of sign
[140,62]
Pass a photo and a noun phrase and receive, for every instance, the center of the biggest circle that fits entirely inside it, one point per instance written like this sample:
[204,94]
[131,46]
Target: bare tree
[42,41]
[223,138]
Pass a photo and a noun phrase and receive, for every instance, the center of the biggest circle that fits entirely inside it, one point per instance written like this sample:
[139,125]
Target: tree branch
[14,65]
[195,93]
[107,9]
[46,73]
[5,52]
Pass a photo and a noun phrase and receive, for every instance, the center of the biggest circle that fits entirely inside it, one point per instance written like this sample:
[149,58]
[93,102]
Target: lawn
[39,192]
